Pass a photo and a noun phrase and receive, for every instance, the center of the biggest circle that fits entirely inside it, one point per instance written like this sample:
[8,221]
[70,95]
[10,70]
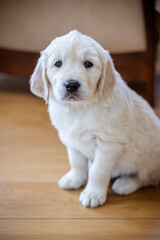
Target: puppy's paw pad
[124,186]
[71,181]
[92,199]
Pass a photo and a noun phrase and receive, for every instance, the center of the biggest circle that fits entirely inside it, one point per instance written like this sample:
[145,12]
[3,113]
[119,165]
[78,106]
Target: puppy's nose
[72,85]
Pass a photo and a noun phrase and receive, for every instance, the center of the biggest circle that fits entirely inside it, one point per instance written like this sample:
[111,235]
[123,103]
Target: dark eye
[88,64]
[58,63]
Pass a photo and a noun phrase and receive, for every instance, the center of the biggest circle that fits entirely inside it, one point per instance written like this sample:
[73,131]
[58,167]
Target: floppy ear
[108,78]
[38,82]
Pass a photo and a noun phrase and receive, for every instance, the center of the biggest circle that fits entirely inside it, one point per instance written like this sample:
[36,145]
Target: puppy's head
[73,68]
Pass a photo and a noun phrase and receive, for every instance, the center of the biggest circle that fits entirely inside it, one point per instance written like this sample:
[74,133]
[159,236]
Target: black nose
[72,85]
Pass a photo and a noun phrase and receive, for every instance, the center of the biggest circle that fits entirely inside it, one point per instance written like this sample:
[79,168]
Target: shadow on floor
[13,84]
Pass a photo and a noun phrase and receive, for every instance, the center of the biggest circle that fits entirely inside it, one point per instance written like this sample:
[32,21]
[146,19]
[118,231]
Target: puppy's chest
[75,131]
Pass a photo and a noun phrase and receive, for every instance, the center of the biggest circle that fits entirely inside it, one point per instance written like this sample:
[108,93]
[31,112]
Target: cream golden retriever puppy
[99,118]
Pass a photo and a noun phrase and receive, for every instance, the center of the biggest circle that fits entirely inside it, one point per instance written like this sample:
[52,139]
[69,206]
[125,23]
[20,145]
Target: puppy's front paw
[92,198]
[71,181]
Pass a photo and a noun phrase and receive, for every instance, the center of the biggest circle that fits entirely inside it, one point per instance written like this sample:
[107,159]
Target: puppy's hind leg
[127,185]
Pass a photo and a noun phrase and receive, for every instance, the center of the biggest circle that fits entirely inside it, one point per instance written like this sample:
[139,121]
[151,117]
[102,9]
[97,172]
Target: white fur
[108,123]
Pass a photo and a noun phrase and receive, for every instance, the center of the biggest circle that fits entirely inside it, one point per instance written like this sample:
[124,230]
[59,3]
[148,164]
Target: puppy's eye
[58,63]
[88,64]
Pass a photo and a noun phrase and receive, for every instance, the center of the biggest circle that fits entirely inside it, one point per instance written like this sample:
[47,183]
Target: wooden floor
[32,206]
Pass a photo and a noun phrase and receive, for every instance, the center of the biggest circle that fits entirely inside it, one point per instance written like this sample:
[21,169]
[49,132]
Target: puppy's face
[73,68]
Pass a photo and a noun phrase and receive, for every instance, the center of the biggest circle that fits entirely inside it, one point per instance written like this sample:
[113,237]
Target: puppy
[98,118]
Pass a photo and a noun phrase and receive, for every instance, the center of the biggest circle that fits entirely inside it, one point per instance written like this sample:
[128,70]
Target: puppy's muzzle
[71,86]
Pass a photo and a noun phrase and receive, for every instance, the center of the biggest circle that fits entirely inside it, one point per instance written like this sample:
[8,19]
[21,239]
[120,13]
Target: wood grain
[80,229]
[32,206]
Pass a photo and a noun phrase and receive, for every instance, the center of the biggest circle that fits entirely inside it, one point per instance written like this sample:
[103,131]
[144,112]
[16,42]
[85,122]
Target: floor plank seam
[79,218]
